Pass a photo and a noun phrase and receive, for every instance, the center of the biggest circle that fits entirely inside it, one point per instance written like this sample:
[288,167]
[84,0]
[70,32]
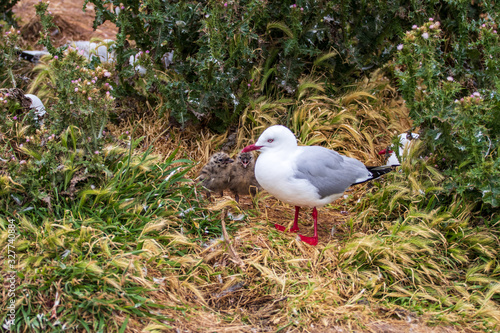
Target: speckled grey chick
[215,174]
[242,176]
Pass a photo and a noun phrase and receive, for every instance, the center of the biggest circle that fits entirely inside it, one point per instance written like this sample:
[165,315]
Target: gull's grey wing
[330,172]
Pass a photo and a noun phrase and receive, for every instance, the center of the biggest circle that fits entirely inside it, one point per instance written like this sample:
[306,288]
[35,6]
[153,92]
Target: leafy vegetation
[452,94]
[111,236]
[225,53]
[6,10]
[8,41]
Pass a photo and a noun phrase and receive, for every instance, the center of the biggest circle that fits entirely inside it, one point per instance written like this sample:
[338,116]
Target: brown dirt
[74,24]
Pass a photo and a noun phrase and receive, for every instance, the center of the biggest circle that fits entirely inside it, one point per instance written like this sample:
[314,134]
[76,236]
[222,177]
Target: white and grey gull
[405,142]
[311,176]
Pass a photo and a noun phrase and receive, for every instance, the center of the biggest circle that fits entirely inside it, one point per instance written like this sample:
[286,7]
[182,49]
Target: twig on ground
[232,253]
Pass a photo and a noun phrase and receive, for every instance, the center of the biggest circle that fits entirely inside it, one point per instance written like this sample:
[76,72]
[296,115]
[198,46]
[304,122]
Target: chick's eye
[270,140]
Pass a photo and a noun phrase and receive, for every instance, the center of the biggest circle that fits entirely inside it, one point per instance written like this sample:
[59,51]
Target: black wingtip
[379,171]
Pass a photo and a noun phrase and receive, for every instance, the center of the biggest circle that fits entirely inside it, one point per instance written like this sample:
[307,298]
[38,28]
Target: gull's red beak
[383,151]
[250,148]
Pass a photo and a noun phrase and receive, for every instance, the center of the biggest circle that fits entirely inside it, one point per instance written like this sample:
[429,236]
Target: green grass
[136,253]
[87,259]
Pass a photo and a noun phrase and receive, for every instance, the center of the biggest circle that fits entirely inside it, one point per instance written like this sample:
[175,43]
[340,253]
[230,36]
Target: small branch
[232,253]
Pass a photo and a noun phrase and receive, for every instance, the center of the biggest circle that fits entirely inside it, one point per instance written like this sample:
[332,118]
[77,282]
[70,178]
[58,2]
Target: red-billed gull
[310,176]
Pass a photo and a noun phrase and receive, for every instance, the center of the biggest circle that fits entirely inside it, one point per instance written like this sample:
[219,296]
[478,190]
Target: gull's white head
[274,138]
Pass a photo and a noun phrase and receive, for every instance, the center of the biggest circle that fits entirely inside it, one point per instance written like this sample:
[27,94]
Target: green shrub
[84,96]
[46,20]
[225,53]
[448,75]
[6,13]
[9,40]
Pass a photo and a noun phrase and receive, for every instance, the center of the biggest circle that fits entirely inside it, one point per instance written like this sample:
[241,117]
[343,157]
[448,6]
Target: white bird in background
[28,101]
[37,105]
[405,143]
[310,176]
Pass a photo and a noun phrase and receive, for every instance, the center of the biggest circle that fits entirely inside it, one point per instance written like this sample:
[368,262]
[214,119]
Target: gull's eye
[270,140]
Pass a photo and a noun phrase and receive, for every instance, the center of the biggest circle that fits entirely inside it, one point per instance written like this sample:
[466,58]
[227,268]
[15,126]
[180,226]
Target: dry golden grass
[358,124]
[283,285]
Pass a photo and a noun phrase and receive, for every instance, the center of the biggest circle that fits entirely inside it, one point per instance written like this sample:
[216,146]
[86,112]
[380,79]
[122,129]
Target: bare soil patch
[74,24]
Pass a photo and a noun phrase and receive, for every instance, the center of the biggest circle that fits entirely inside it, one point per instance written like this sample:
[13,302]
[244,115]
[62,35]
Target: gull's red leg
[312,240]
[295,226]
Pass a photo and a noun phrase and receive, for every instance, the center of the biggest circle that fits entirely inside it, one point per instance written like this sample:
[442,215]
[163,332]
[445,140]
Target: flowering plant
[9,40]
[84,95]
[451,90]
[211,58]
